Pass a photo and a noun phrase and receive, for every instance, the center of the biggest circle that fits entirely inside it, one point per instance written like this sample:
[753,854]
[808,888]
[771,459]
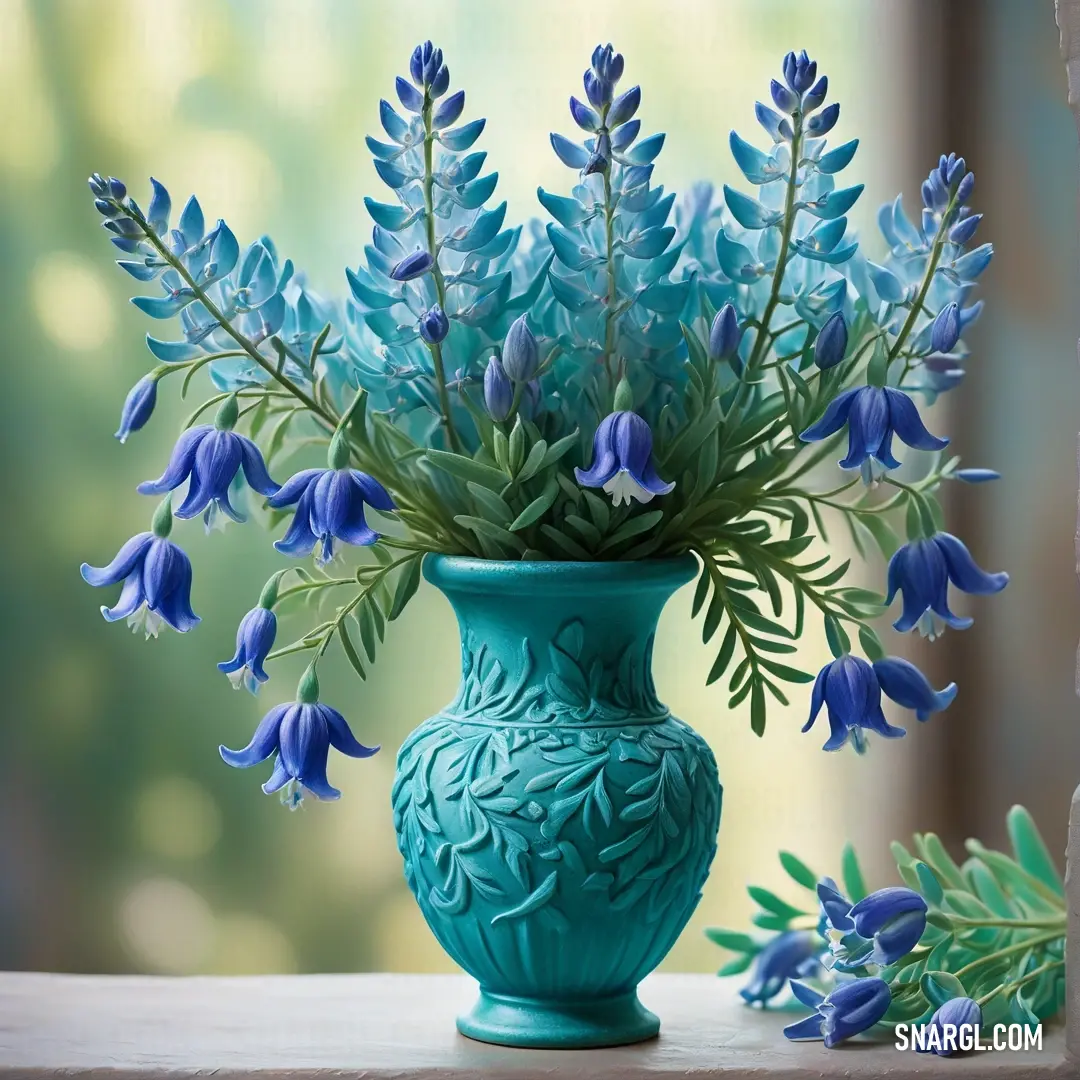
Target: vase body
[556,821]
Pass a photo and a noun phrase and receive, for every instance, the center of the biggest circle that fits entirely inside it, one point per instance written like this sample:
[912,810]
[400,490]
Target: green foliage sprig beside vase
[559,426]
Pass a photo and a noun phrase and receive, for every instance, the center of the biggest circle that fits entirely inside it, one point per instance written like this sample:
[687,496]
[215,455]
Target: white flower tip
[623,488]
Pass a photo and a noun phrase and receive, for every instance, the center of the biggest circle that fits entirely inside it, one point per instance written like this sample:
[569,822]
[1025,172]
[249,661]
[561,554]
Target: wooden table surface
[402,1026]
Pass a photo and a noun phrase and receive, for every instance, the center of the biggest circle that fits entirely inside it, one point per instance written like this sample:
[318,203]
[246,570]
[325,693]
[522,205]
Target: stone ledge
[402,1026]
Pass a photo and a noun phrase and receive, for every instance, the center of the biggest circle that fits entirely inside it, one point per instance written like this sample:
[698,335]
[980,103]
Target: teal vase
[557,822]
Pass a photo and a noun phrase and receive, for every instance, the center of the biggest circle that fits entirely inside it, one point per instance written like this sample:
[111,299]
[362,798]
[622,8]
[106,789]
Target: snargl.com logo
[955,1038]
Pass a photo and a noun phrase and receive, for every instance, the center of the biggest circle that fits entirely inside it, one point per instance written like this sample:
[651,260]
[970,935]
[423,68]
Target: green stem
[1011,987]
[1018,946]
[436,273]
[216,314]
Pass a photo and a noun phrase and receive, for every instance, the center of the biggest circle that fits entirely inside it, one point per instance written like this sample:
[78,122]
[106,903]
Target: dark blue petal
[300,539]
[963,571]
[341,737]
[263,743]
[374,494]
[123,564]
[217,460]
[904,419]
[180,464]
[908,686]
[605,463]
[294,487]
[868,425]
[854,1007]
[255,471]
[131,598]
[834,418]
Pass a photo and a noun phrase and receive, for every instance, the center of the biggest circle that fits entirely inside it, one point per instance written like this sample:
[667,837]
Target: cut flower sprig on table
[976,944]
[633,377]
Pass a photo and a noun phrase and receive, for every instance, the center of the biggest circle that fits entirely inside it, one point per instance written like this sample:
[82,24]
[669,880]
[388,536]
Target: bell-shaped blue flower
[832,342]
[157,580]
[954,1026]
[138,407]
[873,415]
[921,571]
[893,919]
[902,681]
[498,390]
[254,640]
[434,325]
[209,457]
[301,732]
[622,461]
[851,688]
[329,505]
[520,352]
[851,1008]
[792,954]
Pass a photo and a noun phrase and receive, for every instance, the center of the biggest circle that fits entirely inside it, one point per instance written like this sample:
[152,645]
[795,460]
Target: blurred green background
[125,843]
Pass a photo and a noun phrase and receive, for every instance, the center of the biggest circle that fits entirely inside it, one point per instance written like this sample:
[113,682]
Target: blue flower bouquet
[629,392]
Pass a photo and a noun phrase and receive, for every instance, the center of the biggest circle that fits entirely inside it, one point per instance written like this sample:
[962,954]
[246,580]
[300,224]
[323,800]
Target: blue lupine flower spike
[790,955]
[853,1007]
[209,457]
[873,415]
[953,1027]
[622,461]
[921,572]
[330,505]
[157,580]
[301,732]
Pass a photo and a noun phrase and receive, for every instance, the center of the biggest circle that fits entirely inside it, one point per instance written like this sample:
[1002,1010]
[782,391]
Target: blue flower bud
[520,353]
[600,159]
[976,476]
[595,89]
[254,640]
[816,97]
[832,342]
[98,185]
[825,120]
[449,110]
[584,117]
[952,1027]
[966,187]
[498,390]
[964,229]
[785,100]
[624,107]
[416,62]
[434,325]
[117,189]
[105,208]
[441,83]
[413,266]
[955,170]
[946,331]
[138,406]
[725,334]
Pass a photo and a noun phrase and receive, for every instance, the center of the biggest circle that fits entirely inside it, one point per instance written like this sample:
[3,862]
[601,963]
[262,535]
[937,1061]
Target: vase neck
[573,650]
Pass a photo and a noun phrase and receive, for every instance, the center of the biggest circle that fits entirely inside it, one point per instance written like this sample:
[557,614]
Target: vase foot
[546,1023]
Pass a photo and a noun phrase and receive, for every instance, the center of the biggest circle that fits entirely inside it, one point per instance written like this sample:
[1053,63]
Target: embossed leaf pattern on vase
[557,823]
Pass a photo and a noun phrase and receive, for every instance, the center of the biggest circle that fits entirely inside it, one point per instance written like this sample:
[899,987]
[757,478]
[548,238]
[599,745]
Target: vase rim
[460,573]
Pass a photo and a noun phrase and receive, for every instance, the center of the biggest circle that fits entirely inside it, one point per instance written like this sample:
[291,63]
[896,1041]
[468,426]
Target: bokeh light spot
[167,927]
[178,818]
[71,302]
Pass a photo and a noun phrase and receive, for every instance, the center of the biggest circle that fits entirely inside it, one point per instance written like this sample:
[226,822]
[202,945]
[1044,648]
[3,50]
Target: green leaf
[723,657]
[701,592]
[851,872]
[350,650]
[941,986]
[782,671]
[464,468]
[538,507]
[735,967]
[768,921]
[563,542]
[732,940]
[496,506]
[258,417]
[598,510]
[930,886]
[935,854]
[586,529]
[633,527]
[367,627]
[839,643]
[871,644]
[1030,849]
[882,532]
[533,462]
[483,527]
[517,446]
[556,450]
[757,709]
[798,871]
[407,583]
[500,446]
